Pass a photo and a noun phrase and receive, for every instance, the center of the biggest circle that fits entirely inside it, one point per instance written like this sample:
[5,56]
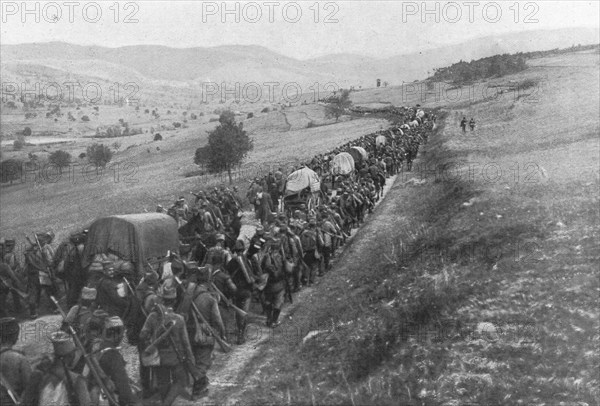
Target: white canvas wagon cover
[342,164]
[301,179]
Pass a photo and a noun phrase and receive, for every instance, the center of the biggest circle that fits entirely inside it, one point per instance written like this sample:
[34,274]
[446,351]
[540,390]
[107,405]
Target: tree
[228,145]
[338,105]
[85,118]
[11,170]
[99,154]
[27,131]
[60,158]
[19,143]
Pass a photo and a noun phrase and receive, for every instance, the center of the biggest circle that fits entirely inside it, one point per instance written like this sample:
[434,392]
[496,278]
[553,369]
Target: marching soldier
[112,363]
[79,315]
[245,281]
[40,275]
[15,371]
[173,345]
[54,382]
[203,343]
[309,247]
[273,265]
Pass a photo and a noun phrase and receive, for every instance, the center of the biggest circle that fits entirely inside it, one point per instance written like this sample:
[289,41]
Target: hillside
[155,67]
[475,285]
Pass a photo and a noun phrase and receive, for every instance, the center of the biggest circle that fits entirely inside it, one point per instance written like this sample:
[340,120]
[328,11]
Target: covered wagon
[359,154]
[302,187]
[136,238]
[342,164]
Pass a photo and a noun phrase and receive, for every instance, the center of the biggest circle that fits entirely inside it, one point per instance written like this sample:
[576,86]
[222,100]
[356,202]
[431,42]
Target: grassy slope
[518,252]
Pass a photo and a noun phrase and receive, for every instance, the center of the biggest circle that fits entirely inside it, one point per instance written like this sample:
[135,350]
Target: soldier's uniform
[54,383]
[204,345]
[14,366]
[113,364]
[171,374]
[273,265]
[38,269]
[244,280]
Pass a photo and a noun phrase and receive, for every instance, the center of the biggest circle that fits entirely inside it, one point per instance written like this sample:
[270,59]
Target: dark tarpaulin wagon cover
[133,237]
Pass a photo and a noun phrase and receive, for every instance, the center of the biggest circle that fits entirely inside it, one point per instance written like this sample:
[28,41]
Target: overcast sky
[302,29]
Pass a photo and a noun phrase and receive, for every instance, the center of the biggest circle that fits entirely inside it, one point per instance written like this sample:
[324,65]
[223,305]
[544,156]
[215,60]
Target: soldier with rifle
[40,274]
[15,371]
[201,310]
[53,382]
[74,346]
[245,281]
[112,363]
[146,296]
[175,351]
[10,277]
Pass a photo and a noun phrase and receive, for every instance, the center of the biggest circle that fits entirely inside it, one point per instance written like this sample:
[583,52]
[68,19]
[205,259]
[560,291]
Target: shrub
[18,144]
[99,154]
[82,155]
[311,124]
[265,110]
[146,111]
[193,116]
[158,137]
[250,115]
[85,118]
[212,120]
[27,131]
[60,158]
[11,170]
[96,108]
[176,125]
[30,115]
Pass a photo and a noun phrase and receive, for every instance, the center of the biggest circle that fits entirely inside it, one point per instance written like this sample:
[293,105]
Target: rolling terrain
[474,282]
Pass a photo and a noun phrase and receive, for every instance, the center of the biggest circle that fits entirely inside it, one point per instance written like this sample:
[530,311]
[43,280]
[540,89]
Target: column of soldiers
[178,312]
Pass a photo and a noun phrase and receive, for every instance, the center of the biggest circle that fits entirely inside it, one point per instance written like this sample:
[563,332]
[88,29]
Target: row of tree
[495,66]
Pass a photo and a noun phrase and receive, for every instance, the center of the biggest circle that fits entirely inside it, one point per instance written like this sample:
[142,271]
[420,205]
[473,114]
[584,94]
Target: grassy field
[144,172]
[478,286]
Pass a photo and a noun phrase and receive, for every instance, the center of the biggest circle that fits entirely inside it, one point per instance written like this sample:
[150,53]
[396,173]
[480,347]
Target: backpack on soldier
[308,238]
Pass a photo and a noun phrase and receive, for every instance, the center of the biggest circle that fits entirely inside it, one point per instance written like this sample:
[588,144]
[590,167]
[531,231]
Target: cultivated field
[143,172]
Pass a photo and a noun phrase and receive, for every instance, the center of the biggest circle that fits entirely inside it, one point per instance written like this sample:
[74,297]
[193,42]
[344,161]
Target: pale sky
[371,28]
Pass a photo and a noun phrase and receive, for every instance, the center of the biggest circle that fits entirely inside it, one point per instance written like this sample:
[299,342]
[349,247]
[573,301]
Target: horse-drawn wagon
[137,238]
[303,187]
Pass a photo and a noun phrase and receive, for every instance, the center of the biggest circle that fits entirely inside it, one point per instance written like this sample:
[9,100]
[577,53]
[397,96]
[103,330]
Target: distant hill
[160,70]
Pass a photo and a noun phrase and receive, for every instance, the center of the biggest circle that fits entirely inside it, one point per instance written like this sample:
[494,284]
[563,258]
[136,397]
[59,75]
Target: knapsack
[309,240]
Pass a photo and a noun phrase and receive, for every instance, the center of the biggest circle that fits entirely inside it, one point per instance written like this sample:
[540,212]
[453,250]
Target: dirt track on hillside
[228,370]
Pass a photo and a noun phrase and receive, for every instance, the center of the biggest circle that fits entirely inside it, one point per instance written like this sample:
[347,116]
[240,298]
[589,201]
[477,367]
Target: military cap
[62,343]
[220,237]
[260,230]
[113,322]
[96,267]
